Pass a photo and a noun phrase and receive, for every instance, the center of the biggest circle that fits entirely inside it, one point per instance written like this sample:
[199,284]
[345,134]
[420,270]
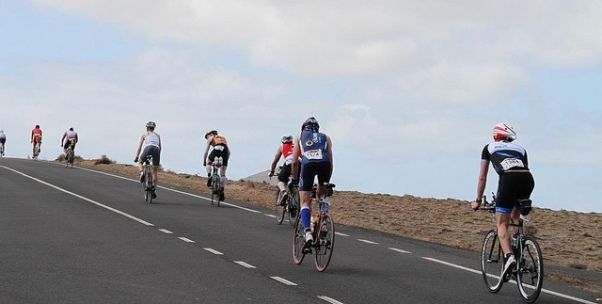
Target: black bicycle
[323,233]
[147,182]
[287,204]
[528,271]
[217,192]
[69,155]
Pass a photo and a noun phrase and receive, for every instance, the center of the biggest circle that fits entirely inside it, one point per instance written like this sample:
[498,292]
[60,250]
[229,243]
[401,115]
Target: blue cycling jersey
[314,147]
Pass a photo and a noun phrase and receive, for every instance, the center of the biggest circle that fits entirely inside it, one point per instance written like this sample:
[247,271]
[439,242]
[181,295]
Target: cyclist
[151,142]
[2,142]
[72,139]
[219,148]
[315,150]
[286,151]
[514,187]
[36,140]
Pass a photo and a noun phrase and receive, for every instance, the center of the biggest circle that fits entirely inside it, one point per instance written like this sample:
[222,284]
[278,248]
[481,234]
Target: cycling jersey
[505,156]
[36,135]
[287,152]
[152,139]
[70,135]
[218,140]
[314,147]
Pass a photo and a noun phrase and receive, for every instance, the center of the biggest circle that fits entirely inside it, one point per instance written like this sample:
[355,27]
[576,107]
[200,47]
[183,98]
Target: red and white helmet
[503,131]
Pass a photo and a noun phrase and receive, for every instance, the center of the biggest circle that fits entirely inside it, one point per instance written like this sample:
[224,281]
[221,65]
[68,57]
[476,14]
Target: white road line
[367,241]
[283,281]
[270,215]
[512,281]
[213,251]
[329,300]
[81,197]
[165,231]
[187,240]
[399,250]
[170,189]
[341,234]
[245,265]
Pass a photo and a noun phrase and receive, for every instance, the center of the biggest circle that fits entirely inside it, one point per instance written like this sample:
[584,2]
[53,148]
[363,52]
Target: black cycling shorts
[2,140]
[219,151]
[513,186]
[151,150]
[310,170]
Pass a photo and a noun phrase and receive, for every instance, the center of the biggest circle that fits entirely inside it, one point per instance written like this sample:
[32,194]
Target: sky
[408,90]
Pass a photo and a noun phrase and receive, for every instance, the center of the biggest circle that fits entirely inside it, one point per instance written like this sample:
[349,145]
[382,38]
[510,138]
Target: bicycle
[1,149]
[528,270]
[322,228]
[287,204]
[217,192]
[36,150]
[69,156]
[147,183]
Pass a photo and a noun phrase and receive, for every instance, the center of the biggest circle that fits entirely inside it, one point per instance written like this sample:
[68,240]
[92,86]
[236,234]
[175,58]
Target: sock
[306,217]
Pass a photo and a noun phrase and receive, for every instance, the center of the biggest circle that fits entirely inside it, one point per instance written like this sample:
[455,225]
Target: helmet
[310,124]
[503,131]
[214,132]
[71,129]
[151,125]
[287,138]
[37,126]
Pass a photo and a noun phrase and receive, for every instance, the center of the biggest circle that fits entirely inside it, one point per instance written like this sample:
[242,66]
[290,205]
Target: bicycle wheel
[70,157]
[492,262]
[215,185]
[279,210]
[298,240]
[148,185]
[529,277]
[325,243]
[293,206]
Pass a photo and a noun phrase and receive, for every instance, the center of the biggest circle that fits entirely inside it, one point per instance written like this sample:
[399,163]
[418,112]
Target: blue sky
[407,91]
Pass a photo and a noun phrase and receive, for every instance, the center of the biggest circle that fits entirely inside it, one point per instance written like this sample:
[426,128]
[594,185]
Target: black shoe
[283,200]
[154,194]
[222,197]
[209,181]
[142,177]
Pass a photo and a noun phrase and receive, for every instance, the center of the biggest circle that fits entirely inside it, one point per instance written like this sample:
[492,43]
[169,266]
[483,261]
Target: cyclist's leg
[156,153]
[308,172]
[324,175]
[505,201]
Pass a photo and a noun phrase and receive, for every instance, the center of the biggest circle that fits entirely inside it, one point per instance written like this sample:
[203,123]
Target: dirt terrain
[567,238]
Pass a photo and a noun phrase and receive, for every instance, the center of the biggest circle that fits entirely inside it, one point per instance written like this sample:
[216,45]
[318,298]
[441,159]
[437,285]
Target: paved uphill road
[79,236]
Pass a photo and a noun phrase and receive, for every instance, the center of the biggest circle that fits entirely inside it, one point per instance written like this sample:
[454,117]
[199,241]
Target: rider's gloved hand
[204,163]
[271,174]
[475,205]
[136,159]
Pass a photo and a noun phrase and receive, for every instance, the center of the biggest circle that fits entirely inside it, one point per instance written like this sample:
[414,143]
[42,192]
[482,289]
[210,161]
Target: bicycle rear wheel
[325,243]
[492,262]
[279,210]
[148,185]
[215,189]
[529,277]
[293,206]
[298,241]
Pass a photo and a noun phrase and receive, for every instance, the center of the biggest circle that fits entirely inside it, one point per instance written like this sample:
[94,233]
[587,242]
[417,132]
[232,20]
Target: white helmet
[503,131]
[287,138]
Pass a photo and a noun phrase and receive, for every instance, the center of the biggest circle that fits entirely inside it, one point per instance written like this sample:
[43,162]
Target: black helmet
[214,132]
[37,126]
[310,124]
[151,125]
[70,129]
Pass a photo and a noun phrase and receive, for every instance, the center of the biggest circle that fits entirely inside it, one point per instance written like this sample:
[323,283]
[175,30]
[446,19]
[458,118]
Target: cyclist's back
[36,135]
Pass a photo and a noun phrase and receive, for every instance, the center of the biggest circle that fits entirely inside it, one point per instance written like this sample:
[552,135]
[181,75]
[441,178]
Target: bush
[103,160]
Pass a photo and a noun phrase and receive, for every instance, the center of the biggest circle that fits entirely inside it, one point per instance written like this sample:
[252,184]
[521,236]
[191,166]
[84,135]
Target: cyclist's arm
[159,140]
[296,155]
[276,159]
[329,148]
[206,153]
[76,138]
[140,145]
[63,139]
[482,180]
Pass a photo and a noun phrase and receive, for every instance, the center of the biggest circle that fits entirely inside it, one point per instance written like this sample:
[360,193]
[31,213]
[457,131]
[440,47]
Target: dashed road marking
[367,242]
[165,231]
[283,281]
[245,264]
[329,300]
[187,240]
[399,250]
[341,234]
[213,251]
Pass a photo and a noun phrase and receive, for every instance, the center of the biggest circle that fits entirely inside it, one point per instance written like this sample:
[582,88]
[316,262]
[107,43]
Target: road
[81,236]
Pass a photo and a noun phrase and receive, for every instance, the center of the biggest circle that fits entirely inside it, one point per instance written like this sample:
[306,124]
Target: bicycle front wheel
[279,210]
[215,189]
[529,275]
[293,206]
[298,241]
[492,262]
[325,243]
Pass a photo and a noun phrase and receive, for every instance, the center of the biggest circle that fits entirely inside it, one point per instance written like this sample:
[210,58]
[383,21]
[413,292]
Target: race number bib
[509,163]
[313,154]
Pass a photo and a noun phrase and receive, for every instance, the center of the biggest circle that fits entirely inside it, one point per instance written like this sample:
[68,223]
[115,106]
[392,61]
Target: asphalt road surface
[81,236]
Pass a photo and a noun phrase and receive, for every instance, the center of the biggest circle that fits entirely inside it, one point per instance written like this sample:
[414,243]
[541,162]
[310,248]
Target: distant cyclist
[36,140]
[285,150]
[515,184]
[219,148]
[2,142]
[150,144]
[315,149]
[72,139]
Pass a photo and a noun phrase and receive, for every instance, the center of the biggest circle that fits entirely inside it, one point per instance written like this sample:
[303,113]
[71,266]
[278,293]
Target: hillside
[567,238]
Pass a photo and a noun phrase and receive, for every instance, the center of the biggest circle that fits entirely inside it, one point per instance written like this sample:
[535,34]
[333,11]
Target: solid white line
[187,240]
[270,215]
[170,189]
[283,281]
[341,234]
[165,231]
[367,241]
[213,251]
[81,197]
[399,250]
[329,300]
[245,265]
[512,281]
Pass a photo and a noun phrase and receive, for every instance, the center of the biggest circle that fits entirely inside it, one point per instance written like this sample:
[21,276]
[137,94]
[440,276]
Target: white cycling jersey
[152,139]
[70,135]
